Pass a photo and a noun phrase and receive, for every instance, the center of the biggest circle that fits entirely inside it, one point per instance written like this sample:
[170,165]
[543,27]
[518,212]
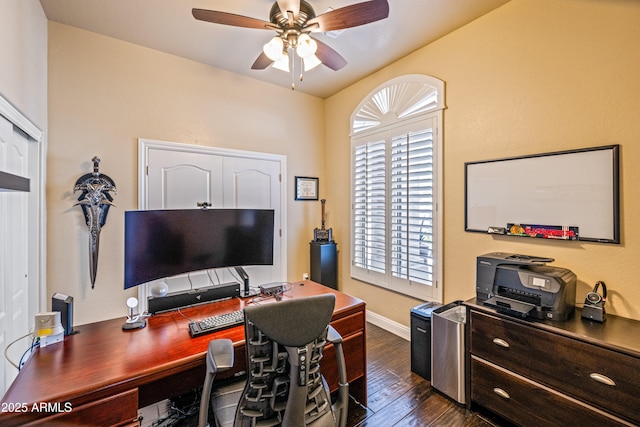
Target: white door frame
[37,283]
[144,145]
[37,204]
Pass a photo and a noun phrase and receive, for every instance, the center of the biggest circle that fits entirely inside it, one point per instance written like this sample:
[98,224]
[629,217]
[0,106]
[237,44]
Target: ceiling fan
[293,21]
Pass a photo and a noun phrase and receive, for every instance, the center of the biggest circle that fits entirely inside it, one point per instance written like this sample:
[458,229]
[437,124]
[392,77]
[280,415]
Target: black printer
[525,286]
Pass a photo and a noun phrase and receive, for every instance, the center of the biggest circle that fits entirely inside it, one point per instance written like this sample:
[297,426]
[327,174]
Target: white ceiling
[168,26]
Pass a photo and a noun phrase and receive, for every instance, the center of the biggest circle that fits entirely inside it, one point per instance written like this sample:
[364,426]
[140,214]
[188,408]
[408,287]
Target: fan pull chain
[301,68]
[292,64]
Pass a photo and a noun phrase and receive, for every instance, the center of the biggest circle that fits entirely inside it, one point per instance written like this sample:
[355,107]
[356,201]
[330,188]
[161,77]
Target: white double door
[14,240]
[179,176]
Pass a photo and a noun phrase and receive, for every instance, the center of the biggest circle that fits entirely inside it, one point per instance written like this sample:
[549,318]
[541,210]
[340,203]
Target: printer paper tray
[509,306]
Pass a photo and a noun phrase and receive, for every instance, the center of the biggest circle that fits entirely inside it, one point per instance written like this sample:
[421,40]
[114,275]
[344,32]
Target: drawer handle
[424,331]
[500,392]
[501,342]
[602,379]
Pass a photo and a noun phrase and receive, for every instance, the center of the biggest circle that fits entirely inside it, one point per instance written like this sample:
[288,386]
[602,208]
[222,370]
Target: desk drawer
[601,377]
[350,324]
[528,403]
[118,410]
[353,347]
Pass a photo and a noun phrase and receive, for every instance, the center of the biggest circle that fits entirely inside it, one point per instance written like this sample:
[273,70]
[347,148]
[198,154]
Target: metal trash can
[447,351]
[421,339]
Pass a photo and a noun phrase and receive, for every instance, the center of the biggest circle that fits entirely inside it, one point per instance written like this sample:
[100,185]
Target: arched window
[396,141]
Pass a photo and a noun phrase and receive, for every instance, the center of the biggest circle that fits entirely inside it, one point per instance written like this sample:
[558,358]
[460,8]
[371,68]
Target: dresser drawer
[601,377]
[527,403]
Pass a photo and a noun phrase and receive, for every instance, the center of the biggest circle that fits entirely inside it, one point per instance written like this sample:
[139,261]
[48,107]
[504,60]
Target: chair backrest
[284,342]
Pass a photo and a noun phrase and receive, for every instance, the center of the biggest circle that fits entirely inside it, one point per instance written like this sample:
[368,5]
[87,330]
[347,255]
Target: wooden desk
[102,375]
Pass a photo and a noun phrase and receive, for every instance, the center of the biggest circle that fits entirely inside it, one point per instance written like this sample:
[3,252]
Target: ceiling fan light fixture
[311,62]
[282,63]
[293,21]
[274,49]
[306,46]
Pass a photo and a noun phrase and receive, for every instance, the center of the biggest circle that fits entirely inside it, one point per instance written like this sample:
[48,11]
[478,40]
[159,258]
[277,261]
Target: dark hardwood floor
[398,397]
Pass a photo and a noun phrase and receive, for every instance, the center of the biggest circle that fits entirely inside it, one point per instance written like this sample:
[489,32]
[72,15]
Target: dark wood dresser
[546,373]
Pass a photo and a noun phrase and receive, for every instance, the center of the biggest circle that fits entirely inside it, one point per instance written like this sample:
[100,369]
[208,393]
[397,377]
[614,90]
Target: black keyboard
[216,323]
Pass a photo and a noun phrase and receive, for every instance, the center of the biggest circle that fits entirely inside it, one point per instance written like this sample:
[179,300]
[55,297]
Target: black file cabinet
[421,339]
[324,260]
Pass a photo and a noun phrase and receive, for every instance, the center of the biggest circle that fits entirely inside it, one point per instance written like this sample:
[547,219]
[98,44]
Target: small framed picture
[306,188]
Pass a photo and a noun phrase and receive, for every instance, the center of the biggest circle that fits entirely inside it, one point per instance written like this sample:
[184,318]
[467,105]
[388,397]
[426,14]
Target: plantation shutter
[396,176]
[411,225]
[369,208]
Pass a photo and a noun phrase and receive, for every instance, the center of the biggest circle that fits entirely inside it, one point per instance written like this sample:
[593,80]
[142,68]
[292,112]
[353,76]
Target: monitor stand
[246,292]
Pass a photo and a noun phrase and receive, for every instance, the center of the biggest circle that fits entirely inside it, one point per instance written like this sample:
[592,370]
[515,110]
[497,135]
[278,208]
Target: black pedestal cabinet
[324,263]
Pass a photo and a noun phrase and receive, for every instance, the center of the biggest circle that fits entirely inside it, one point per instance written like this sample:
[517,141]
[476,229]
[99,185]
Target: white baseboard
[389,325]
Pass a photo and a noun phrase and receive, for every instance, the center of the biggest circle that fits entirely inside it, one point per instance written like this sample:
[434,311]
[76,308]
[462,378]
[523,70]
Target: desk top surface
[101,355]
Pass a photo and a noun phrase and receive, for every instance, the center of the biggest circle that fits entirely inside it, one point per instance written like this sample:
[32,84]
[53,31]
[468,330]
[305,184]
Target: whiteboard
[577,188]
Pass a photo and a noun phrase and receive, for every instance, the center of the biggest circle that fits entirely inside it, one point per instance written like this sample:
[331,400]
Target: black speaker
[193,297]
[64,304]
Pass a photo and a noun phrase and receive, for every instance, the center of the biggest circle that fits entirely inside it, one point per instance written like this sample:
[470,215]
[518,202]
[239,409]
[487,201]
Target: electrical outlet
[305,276]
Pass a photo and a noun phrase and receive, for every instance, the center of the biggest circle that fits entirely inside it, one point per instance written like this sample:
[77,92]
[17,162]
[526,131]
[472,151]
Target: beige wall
[23,55]
[104,94]
[23,84]
[532,76]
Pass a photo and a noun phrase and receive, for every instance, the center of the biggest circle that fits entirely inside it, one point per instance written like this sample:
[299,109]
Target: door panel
[255,184]
[180,175]
[178,180]
[247,188]
[181,180]
[14,238]
[178,197]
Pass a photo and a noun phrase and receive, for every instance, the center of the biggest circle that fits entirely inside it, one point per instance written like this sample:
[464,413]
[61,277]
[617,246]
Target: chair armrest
[334,336]
[341,405]
[219,358]
[220,355]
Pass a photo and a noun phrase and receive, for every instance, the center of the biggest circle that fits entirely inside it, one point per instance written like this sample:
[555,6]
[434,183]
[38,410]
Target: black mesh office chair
[284,386]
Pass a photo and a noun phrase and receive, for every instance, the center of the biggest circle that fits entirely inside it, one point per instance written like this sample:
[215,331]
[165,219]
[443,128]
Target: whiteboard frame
[571,174]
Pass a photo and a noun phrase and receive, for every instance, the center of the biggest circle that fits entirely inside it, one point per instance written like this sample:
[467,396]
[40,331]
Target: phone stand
[133,321]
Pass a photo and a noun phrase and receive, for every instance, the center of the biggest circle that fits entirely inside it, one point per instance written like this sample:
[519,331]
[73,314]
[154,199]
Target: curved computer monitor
[165,243]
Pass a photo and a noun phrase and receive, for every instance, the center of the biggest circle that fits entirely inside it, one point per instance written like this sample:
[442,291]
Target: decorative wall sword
[95,201]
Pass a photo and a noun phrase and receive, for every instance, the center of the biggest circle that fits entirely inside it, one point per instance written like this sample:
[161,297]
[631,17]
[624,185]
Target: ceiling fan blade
[351,16]
[262,62]
[329,57]
[289,5]
[232,19]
